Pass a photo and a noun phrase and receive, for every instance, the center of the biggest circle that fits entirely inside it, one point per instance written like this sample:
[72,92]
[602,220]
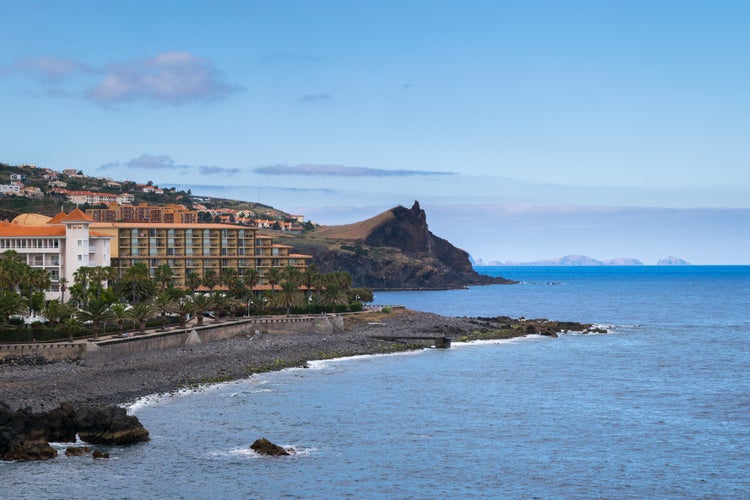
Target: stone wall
[108,350]
[39,353]
[111,349]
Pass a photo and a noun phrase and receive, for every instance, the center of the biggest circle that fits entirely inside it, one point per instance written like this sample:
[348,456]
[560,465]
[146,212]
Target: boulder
[100,454]
[25,435]
[263,446]
[29,450]
[109,425]
[77,451]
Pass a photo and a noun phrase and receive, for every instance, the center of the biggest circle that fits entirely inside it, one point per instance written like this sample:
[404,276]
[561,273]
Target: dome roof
[31,220]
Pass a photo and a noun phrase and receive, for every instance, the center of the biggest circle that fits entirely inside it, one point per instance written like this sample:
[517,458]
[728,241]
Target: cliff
[393,250]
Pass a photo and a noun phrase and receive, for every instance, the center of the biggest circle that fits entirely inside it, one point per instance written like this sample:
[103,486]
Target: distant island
[582,260]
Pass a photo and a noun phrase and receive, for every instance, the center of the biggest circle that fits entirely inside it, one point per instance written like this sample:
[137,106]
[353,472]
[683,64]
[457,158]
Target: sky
[527,130]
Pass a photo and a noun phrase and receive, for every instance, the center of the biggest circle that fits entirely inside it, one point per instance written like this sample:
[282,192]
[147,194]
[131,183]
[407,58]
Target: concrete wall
[60,351]
[108,350]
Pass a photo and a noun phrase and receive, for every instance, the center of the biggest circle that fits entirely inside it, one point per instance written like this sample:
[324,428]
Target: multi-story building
[196,248]
[60,245]
[66,242]
[143,212]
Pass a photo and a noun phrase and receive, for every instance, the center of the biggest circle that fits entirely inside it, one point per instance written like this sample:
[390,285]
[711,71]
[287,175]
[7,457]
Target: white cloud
[169,77]
[341,171]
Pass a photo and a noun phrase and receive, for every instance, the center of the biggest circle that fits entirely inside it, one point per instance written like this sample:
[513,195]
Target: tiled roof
[77,215]
[40,231]
[57,219]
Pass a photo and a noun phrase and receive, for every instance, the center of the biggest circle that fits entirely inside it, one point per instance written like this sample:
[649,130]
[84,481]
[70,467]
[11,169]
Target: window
[80,258]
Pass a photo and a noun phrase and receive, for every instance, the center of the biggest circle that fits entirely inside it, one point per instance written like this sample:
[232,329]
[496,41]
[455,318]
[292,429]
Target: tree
[202,303]
[12,270]
[288,296]
[163,275]
[210,278]
[56,311]
[63,286]
[185,307]
[120,313]
[10,304]
[310,278]
[140,313]
[192,281]
[273,275]
[136,283]
[164,303]
[96,311]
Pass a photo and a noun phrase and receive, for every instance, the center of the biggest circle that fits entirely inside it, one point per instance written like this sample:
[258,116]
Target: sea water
[658,408]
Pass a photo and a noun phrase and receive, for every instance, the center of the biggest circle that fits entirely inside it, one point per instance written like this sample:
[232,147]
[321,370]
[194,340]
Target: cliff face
[394,250]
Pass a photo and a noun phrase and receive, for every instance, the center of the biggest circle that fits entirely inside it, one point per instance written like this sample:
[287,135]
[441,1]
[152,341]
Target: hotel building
[66,242]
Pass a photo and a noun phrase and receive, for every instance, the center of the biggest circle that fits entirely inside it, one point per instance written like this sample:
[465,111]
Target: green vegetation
[101,302]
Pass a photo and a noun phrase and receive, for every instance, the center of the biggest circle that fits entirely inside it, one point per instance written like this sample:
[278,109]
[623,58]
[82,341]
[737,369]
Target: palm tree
[192,281]
[56,311]
[137,283]
[10,304]
[72,326]
[309,278]
[80,289]
[140,313]
[184,308]
[63,286]
[288,296]
[202,303]
[120,313]
[12,269]
[98,312]
[164,303]
[210,279]
[163,275]
[273,276]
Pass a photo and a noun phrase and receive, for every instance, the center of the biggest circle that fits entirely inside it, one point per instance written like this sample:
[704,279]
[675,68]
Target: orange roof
[57,219]
[299,256]
[18,230]
[77,215]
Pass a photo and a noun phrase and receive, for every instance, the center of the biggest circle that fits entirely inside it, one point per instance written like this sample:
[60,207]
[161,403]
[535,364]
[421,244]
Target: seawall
[101,351]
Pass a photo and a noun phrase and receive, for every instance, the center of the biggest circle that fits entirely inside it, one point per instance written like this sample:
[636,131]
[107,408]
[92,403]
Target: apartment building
[196,248]
[143,212]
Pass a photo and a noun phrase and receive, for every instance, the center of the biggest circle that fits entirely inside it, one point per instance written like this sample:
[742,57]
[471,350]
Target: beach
[43,387]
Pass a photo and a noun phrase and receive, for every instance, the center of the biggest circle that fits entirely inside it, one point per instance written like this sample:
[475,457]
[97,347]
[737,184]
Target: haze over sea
[658,408]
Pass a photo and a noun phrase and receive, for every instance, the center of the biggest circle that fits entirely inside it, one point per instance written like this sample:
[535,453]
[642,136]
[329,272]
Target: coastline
[45,387]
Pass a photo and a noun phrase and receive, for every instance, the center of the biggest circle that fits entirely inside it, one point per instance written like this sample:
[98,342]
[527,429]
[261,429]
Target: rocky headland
[393,250]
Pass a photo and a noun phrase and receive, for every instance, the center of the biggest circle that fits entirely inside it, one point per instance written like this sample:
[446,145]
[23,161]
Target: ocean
[657,408]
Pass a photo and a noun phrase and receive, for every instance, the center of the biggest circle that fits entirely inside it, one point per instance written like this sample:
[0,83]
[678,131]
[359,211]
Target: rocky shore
[45,387]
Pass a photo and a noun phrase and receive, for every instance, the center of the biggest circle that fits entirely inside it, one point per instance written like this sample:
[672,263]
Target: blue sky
[526,129]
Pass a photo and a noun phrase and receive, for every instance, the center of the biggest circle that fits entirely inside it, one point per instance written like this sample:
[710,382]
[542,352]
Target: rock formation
[25,435]
[263,446]
[393,250]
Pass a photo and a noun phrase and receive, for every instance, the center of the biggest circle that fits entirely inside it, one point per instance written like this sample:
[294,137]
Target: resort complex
[62,244]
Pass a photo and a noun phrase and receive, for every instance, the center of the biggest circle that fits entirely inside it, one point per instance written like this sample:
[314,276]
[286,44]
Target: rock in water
[77,451]
[109,425]
[100,454]
[263,446]
[30,450]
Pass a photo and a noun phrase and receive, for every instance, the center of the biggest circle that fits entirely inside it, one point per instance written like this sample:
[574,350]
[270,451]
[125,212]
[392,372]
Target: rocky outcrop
[263,446]
[394,250]
[25,435]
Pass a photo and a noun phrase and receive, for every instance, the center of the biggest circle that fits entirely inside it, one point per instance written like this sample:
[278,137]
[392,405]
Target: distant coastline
[583,260]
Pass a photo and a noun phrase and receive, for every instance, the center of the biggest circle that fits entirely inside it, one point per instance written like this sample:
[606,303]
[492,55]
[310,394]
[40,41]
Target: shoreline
[45,387]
